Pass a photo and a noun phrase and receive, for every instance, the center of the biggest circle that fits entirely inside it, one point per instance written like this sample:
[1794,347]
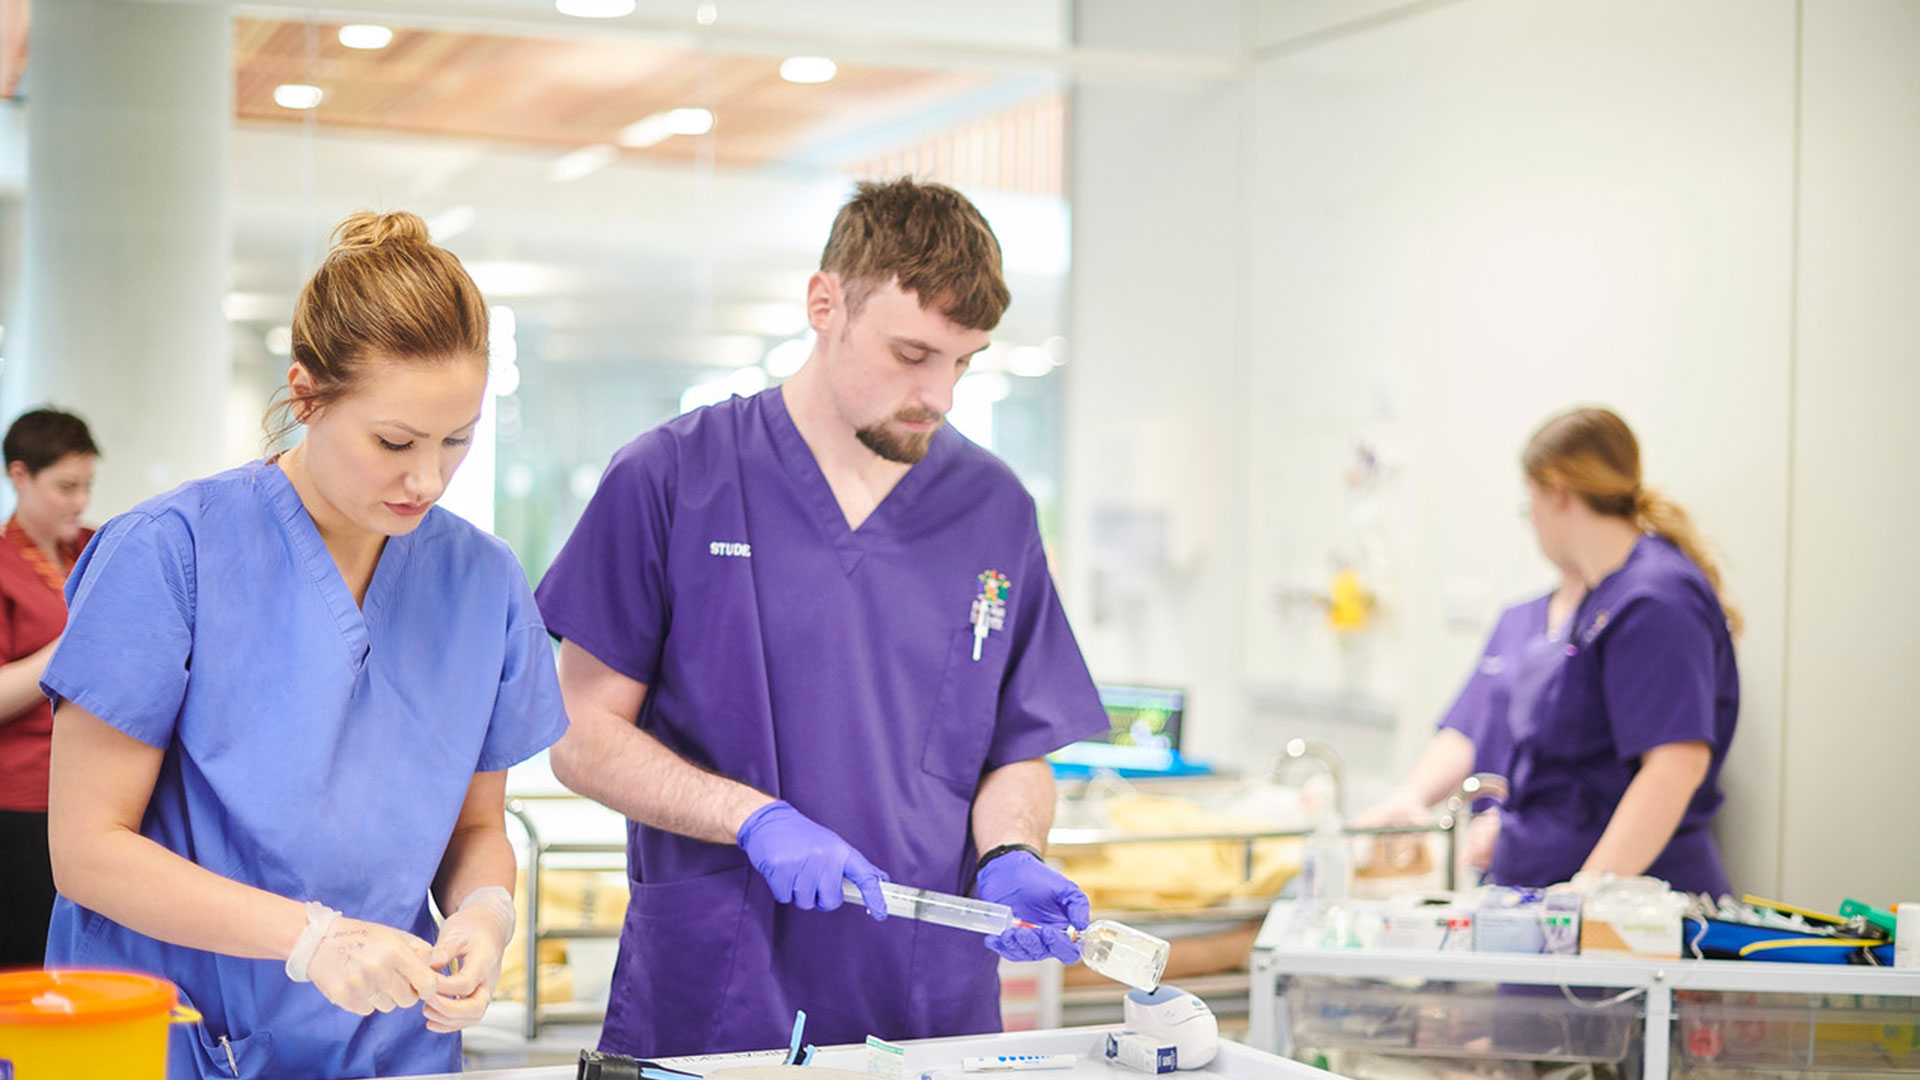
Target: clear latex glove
[1038,894]
[1482,834]
[362,967]
[473,942]
[803,860]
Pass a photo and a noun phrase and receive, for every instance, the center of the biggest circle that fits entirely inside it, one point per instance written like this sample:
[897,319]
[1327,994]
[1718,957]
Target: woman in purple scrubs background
[1474,736]
[1621,722]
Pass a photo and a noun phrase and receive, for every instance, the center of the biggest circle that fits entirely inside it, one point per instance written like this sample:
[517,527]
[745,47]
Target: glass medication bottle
[1124,954]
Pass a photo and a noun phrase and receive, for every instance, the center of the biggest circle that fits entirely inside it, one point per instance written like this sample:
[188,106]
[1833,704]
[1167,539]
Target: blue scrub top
[831,667]
[1647,660]
[1480,712]
[315,748]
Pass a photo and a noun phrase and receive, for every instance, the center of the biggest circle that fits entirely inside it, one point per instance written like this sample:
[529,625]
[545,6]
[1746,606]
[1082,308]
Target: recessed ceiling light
[807,69]
[659,127]
[645,132]
[365,36]
[296,96]
[581,162]
[594,9]
[689,121]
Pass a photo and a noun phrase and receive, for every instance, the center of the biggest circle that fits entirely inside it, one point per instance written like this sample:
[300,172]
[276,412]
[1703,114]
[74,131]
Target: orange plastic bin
[83,1025]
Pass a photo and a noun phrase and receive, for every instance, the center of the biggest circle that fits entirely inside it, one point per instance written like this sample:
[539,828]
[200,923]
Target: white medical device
[1174,1016]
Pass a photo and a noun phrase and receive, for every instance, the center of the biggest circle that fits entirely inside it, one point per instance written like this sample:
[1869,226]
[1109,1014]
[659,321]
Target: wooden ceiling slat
[562,94]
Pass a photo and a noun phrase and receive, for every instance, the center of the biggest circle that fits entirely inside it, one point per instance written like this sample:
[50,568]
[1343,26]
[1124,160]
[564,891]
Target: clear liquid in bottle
[1124,954]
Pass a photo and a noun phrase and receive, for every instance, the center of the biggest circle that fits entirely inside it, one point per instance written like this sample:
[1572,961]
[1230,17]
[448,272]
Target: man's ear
[825,298]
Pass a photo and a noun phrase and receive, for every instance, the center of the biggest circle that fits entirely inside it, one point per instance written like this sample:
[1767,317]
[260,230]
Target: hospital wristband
[320,919]
[1006,849]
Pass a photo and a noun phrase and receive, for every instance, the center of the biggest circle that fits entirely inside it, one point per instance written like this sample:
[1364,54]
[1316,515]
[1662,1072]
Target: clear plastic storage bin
[1459,1020]
[1850,1033]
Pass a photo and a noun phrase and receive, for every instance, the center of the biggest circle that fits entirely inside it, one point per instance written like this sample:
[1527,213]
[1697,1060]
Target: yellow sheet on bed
[1178,875]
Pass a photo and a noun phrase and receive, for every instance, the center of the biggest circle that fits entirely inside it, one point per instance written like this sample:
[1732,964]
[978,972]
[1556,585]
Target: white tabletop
[1241,1062]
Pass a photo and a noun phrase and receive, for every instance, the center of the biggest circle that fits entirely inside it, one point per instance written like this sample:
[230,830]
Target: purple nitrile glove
[803,860]
[1038,894]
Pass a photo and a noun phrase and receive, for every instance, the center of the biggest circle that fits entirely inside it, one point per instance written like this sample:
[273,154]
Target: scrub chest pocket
[960,730]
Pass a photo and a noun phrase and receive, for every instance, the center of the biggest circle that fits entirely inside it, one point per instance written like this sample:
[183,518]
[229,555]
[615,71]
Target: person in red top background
[50,459]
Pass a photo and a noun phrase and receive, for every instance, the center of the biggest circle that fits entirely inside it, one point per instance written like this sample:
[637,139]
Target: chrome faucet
[1328,758]
[1458,812]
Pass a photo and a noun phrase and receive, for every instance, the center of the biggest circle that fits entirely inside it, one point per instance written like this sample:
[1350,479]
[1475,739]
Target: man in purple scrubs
[810,636]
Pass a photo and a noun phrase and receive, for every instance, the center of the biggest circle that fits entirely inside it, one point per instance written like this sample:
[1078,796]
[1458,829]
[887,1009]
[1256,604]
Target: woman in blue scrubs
[286,699]
[1621,720]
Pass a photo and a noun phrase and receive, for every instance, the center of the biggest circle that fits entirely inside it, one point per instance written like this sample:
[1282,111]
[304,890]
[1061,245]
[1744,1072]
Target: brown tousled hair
[930,239]
[1594,453]
[384,288]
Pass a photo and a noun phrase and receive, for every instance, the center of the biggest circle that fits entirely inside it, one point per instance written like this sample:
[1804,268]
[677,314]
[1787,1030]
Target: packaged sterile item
[1631,917]
[1510,920]
[1141,1053]
[1428,924]
[886,1060]
[1562,919]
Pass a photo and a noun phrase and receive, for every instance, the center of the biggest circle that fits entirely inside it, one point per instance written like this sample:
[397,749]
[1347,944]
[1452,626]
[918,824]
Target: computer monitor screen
[1143,716]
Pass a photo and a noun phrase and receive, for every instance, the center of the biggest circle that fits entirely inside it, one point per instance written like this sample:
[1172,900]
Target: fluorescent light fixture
[704,393]
[365,36]
[296,96]
[807,69]
[503,279]
[581,162]
[594,9]
[747,381]
[689,121]
[789,356]
[1030,361]
[280,341]
[982,388]
[450,223]
[253,307]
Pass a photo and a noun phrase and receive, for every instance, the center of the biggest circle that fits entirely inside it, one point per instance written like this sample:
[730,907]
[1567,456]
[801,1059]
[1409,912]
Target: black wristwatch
[1004,849]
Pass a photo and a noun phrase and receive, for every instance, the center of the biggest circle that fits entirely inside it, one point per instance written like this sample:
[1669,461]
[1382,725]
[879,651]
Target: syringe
[1113,949]
[941,909]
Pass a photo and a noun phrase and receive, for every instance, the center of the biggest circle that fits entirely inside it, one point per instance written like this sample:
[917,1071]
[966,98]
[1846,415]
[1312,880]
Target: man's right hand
[804,861]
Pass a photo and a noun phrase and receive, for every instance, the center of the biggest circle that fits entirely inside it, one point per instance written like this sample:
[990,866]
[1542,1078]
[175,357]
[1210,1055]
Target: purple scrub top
[1480,712]
[1647,661]
[830,667]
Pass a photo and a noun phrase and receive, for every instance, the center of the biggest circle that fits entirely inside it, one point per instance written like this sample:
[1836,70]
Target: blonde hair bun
[366,229]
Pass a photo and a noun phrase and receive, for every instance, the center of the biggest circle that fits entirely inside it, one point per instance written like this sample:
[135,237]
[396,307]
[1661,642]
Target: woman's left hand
[473,941]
